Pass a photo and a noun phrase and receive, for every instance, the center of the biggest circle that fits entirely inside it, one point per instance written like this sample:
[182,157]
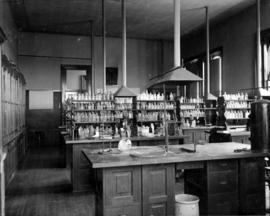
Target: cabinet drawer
[123,211]
[223,204]
[222,165]
[223,182]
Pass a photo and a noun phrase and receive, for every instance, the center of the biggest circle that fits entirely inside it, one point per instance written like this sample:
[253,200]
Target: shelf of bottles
[152,111]
[191,111]
[237,106]
[97,115]
[13,101]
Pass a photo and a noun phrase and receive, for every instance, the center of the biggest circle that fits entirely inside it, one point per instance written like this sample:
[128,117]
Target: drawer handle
[223,182]
[224,164]
[122,215]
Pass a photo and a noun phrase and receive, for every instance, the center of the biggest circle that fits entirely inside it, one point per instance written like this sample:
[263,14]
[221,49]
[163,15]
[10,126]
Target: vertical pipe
[177,27]
[1,129]
[207,78]
[165,121]
[93,59]
[220,75]
[104,43]
[259,73]
[203,82]
[124,43]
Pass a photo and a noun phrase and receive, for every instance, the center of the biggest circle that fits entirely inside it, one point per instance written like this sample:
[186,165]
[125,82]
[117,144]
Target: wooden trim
[53,57]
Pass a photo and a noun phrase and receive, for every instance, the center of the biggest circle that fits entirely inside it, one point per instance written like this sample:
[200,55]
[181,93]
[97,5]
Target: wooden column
[177,36]
[124,44]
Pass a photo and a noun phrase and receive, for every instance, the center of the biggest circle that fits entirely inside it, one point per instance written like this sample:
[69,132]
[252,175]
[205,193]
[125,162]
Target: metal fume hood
[178,73]
[124,91]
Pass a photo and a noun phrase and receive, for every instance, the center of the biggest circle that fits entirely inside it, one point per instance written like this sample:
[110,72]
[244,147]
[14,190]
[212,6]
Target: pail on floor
[186,205]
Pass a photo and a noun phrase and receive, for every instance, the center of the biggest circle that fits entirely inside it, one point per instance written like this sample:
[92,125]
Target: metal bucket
[186,205]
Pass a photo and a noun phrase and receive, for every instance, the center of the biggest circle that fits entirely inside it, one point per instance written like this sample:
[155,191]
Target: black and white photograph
[134,107]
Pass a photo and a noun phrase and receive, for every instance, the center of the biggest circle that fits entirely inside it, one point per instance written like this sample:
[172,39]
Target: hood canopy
[124,91]
[178,75]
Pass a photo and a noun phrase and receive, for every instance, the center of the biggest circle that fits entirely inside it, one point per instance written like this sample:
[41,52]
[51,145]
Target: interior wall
[40,57]
[9,47]
[237,36]
[143,61]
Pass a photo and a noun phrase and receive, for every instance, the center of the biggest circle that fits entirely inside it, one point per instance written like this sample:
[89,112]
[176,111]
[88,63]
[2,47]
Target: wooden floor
[42,187]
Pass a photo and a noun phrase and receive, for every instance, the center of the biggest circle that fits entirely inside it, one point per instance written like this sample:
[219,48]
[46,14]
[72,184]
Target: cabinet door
[158,190]
[252,187]
[223,204]
[122,186]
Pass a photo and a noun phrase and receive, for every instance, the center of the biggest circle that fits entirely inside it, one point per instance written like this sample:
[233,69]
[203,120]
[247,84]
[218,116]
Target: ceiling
[151,19]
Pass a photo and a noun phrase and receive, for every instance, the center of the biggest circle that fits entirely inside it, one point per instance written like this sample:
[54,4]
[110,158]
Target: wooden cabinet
[118,191]
[252,189]
[229,186]
[135,191]
[158,190]
[216,185]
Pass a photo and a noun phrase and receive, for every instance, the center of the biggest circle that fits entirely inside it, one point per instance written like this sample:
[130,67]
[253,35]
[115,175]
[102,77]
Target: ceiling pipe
[93,59]
[177,35]
[104,43]
[207,51]
[178,73]
[124,91]
[124,44]
[208,95]
[259,57]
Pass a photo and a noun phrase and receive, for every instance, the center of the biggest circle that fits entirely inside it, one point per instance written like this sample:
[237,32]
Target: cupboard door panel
[158,190]
[223,204]
[122,186]
[222,165]
[223,182]
[252,189]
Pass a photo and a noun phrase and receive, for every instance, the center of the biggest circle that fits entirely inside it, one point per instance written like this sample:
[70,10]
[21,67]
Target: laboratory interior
[134,107]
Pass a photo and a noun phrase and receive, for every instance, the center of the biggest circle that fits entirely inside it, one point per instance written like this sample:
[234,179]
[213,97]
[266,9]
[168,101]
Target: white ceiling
[151,19]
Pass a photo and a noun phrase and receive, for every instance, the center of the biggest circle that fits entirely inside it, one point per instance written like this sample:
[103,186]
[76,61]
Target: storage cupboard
[13,116]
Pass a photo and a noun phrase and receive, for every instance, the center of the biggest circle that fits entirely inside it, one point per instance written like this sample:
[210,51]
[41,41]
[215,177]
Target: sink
[157,151]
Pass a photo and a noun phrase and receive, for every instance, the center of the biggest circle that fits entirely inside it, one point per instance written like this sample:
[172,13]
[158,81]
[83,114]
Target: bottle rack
[84,113]
[147,110]
[237,108]
[190,109]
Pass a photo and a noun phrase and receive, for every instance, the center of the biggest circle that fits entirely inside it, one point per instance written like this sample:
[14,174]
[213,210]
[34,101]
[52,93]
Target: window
[111,75]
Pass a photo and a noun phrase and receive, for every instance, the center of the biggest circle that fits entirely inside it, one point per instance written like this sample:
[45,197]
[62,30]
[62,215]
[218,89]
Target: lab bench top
[206,152]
